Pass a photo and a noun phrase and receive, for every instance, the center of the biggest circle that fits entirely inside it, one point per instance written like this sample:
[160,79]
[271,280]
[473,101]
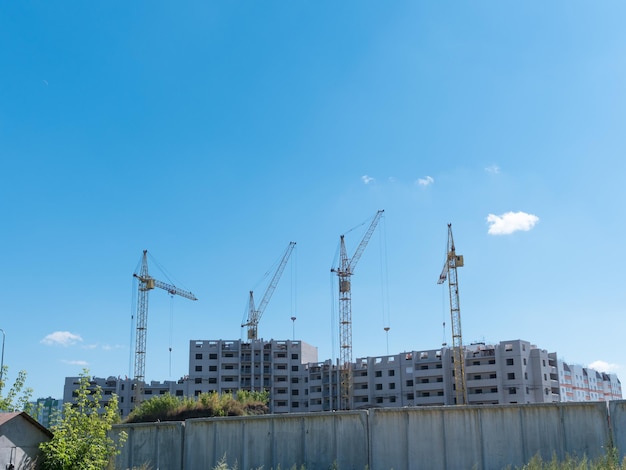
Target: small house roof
[6,417]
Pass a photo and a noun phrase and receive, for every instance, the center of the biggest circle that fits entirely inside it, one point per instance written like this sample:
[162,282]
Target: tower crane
[146,284]
[344,272]
[452,262]
[255,314]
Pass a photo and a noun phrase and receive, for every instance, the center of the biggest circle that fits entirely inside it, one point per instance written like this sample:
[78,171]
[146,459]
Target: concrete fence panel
[502,437]
[154,445]
[617,411]
[425,438]
[406,438]
[209,440]
[316,440]
[585,428]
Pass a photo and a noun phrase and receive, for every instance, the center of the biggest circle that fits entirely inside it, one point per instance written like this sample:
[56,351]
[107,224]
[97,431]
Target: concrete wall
[481,437]
[157,445]
[485,437]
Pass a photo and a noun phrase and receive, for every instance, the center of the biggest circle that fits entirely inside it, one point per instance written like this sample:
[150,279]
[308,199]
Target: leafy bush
[81,438]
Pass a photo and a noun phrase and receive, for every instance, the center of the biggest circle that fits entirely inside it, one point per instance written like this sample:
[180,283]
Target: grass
[610,461]
[171,408]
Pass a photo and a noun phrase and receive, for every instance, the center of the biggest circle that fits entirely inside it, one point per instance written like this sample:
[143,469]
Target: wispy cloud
[111,347]
[425,181]
[510,222]
[61,338]
[602,366]
[367,179]
[493,169]
[75,362]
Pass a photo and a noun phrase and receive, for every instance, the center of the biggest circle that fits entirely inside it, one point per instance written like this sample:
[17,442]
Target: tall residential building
[255,365]
[513,371]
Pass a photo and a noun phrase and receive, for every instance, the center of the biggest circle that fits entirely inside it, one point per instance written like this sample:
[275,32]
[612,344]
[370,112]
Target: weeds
[171,408]
[610,461]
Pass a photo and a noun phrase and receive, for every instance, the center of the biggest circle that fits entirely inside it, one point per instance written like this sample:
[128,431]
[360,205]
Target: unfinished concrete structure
[508,372]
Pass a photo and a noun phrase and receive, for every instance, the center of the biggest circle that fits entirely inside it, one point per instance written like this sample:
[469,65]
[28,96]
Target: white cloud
[367,179]
[61,338]
[76,363]
[109,347]
[493,169]
[510,222]
[602,366]
[425,181]
[392,179]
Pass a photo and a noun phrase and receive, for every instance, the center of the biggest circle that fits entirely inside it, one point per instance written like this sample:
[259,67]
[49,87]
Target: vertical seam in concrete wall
[129,443]
[215,457]
[562,432]
[335,447]
[368,434]
[273,450]
[244,446]
[443,438]
[156,446]
[407,440]
[482,438]
[303,433]
[609,424]
[523,434]
[183,428]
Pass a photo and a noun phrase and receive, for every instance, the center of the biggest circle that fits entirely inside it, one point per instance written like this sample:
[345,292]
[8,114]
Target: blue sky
[214,133]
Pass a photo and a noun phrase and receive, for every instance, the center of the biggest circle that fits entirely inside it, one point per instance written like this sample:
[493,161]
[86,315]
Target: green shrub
[81,440]
[170,408]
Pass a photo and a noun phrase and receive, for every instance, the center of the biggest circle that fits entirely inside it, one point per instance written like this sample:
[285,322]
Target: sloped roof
[6,417]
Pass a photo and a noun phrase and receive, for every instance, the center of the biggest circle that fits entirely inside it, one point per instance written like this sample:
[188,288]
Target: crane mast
[344,272]
[255,314]
[146,284]
[452,262]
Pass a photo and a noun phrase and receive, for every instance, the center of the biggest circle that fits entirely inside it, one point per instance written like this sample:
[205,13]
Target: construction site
[508,372]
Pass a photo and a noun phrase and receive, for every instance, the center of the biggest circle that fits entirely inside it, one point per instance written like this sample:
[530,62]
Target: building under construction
[508,372]
[504,373]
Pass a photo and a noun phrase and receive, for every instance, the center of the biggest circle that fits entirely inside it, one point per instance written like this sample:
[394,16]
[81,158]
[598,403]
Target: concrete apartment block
[509,372]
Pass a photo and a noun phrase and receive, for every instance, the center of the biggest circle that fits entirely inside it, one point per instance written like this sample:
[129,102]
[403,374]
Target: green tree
[18,396]
[81,440]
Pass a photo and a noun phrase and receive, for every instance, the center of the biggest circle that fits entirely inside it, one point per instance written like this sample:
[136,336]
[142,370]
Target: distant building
[124,389]
[47,410]
[585,384]
[513,371]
